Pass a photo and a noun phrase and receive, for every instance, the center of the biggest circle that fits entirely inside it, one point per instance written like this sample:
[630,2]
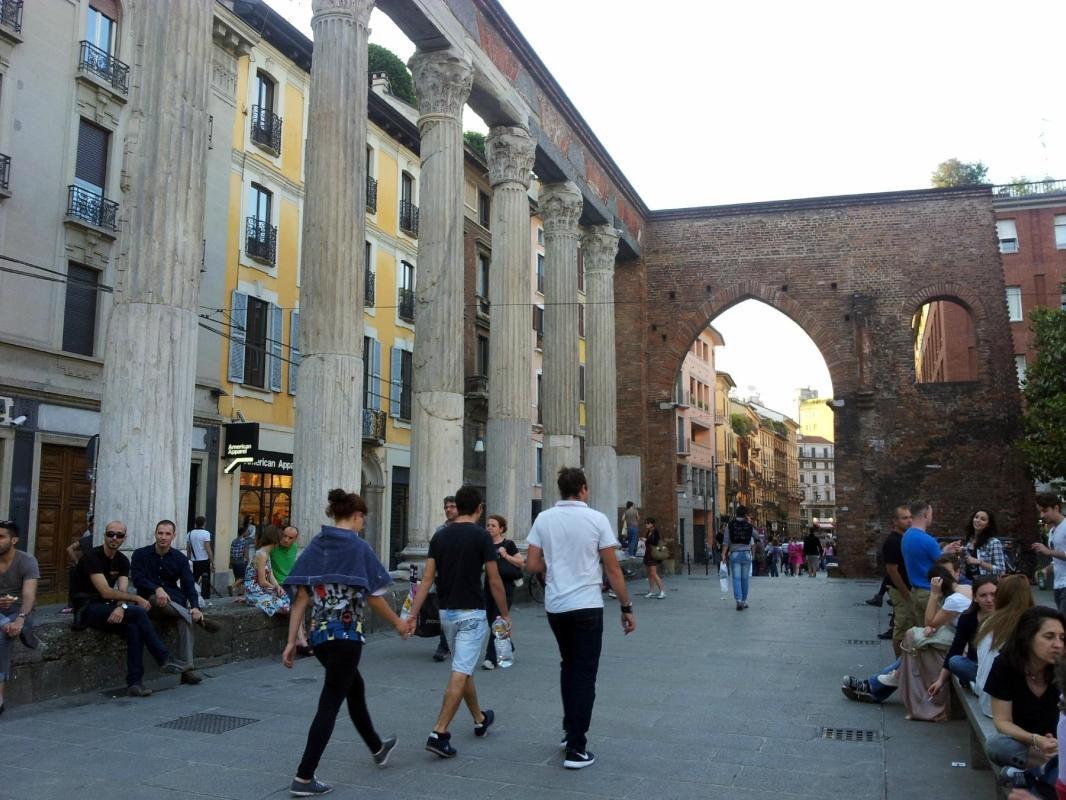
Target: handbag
[660,552]
[508,571]
[428,625]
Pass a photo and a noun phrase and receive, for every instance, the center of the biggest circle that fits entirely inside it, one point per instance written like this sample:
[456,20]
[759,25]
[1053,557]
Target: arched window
[945,343]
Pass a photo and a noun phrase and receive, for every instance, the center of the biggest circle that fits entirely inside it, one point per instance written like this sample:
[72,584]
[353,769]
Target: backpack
[740,532]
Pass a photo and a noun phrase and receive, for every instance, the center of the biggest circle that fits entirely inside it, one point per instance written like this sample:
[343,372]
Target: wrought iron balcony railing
[1046,186]
[371,195]
[266,129]
[11,15]
[5,172]
[409,218]
[369,279]
[406,305]
[261,239]
[104,65]
[92,208]
[373,425]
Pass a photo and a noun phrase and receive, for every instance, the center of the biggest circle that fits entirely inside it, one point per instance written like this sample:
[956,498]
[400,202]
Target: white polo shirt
[572,535]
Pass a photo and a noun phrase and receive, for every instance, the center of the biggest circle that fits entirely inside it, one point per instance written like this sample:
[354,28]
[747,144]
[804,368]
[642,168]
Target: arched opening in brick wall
[945,342]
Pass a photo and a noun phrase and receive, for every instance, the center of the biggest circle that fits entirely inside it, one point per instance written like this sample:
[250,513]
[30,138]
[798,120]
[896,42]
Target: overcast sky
[713,103]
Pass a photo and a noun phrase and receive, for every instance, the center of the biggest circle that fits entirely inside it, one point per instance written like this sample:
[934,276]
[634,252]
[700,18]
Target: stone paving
[701,702]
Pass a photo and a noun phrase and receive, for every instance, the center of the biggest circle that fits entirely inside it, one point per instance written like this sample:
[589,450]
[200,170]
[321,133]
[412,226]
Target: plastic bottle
[504,652]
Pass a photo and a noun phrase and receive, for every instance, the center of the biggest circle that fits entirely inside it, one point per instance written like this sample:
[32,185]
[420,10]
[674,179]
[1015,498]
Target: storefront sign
[268,461]
[242,439]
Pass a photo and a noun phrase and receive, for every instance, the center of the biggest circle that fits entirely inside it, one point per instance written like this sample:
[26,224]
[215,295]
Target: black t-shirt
[95,562]
[460,552]
[512,550]
[1039,715]
[892,553]
[812,545]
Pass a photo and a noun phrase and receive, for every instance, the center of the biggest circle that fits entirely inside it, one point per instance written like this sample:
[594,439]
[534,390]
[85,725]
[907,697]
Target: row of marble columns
[151,342]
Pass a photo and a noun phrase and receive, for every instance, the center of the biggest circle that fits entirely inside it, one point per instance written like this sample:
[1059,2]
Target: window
[825,478]
[255,337]
[261,239]
[1014,303]
[482,283]
[581,320]
[538,470]
[101,29]
[408,209]
[484,208]
[1060,231]
[369,278]
[90,169]
[266,124]
[79,313]
[538,321]
[581,383]
[256,349]
[482,355]
[1008,236]
[803,478]
[825,452]
[406,294]
[264,91]
[1019,365]
[580,270]
[540,273]
[371,373]
[400,385]
[540,399]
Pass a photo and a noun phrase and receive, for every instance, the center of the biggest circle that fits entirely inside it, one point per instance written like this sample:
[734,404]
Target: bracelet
[627,609]
[1034,742]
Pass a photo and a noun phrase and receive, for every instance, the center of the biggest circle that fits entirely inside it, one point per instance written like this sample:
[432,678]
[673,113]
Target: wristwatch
[123,606]
[627,609]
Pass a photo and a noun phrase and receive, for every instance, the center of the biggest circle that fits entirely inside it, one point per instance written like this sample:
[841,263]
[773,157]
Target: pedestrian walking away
[652,538]
[569,541]
[457,555]
[812,551]
[736,551]
[198,549]
[338,576]
[630,522]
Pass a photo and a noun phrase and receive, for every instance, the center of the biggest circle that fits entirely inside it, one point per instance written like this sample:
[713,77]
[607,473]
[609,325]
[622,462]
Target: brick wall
[851,271]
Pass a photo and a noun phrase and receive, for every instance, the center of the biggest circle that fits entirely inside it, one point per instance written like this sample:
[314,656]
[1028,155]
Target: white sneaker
[660,596]
[486,664]
[650,595]
[611,594]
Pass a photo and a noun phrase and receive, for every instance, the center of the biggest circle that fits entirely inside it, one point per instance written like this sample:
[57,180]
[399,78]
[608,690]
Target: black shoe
[191,677]
[312,788]
[483,728]
[441,654]
[441,744]
[137,690]
[1012,778]
[886,636]
[388,744]
[875,601]
[29,638]
[211,626]
[576,760]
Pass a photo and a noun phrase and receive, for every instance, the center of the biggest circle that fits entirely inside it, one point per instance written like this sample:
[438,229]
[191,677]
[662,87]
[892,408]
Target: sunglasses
[113,535]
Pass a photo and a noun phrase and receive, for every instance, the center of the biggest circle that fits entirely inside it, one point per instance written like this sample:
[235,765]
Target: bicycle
[536,588]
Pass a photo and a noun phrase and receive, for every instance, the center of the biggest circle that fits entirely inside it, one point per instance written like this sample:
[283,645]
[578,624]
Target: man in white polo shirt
[568,541]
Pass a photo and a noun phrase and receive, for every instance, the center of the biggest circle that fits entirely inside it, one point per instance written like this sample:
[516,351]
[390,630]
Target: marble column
[329,395]
[442,82]
[600,245]
[560,209]
[146,415]
[508,439]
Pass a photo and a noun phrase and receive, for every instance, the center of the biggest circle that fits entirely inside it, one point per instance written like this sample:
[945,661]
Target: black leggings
[342,682]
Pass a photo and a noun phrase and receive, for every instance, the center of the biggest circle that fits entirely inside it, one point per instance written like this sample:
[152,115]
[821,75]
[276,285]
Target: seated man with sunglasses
[101,590]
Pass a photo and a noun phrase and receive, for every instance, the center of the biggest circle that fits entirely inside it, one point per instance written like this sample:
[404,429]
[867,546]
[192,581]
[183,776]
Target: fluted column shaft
[508,443]
[600,246]
[442,82]
[150,349]
[560,209]
[329,396]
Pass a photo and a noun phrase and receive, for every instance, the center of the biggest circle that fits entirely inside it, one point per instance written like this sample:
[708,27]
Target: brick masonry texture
[851,271]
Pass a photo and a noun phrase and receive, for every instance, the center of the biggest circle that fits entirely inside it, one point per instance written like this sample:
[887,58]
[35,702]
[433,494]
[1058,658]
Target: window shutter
[395,382]
[79,313]
[238,323]
[375,375]
[91,166]
[294,348]
[275,348]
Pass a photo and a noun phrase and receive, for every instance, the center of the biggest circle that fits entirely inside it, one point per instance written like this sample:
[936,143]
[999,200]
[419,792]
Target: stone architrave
[329,394]
[442,82]
[508,441]
[599,244]
[146,414]
[560,207]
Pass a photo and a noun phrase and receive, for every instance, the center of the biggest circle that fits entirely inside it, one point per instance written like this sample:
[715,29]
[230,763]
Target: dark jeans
[580,637]
[138,632]
[201,573]
[492,612]
[342,682]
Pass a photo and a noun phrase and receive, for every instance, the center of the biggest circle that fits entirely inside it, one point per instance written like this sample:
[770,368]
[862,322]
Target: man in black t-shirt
[899,589]
[457,556]
[101,586]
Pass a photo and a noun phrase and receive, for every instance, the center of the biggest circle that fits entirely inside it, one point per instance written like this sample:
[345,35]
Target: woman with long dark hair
[510,563]
[984,550]
[338,575]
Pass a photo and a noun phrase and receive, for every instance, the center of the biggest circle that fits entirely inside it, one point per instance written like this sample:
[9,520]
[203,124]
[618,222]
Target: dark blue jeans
[580,637]
[138,631]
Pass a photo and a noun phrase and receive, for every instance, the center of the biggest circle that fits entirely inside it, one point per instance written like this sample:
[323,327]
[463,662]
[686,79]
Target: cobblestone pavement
[701,702]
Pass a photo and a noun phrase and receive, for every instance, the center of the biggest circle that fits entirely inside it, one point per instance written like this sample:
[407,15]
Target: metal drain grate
[207,723]
[863,642]
[849,735]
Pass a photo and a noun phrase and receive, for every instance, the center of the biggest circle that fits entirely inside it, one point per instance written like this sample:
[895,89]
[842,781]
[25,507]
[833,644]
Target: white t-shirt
[572,535]
[957,602]
[1058,542]
[198,537]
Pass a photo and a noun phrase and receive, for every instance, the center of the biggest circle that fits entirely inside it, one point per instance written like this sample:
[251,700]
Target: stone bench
[981,727]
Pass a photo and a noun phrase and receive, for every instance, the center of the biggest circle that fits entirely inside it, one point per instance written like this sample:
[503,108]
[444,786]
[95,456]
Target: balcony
[371,195]
[261,240]
[11,16]
[405,305]
[105,66]
[1048,186]
[91,207]
[409,218]
[373,426]
[266,129]
[369,279]
[5,174]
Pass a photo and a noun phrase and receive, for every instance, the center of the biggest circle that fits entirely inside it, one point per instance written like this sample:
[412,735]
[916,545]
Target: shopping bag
[723,577]
[428,625]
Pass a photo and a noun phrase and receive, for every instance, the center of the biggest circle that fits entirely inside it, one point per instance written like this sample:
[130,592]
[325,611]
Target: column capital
[560,207]
[443,79]
[599,243]
[510,150]
[359,10]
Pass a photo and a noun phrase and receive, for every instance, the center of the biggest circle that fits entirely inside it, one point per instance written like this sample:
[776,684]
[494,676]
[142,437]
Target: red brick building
[945,344]
[1031,225]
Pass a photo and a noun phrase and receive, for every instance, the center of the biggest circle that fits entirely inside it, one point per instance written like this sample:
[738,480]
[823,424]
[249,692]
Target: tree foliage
[741,425]
[380,59]
[1044,444]
[959,173]
[476,141]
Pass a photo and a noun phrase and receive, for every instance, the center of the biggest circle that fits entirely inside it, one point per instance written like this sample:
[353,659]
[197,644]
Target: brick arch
[945,290]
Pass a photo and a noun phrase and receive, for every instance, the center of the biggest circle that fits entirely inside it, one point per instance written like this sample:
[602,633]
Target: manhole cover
[863,642]
[207,723]
[849,735]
